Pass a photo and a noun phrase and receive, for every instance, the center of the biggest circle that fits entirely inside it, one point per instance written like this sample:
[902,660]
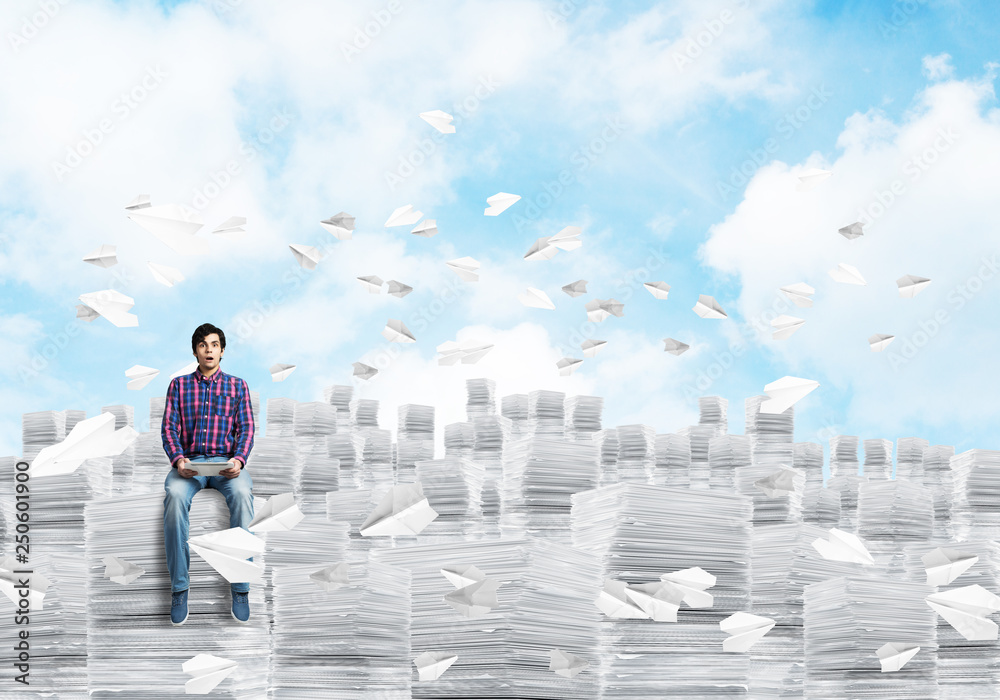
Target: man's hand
[233,471]
[182,469]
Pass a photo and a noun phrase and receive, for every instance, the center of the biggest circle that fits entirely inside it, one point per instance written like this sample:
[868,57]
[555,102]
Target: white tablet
[208,468]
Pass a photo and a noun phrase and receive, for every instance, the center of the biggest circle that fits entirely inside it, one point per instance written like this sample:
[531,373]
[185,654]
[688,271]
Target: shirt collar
[202,378]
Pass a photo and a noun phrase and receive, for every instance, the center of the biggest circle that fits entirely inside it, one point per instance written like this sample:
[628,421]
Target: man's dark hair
[203,330]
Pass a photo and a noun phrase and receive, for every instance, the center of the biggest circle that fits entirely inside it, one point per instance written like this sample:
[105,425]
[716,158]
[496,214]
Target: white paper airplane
[565,664]
[140,202]
[780,483]
[744,630]
[462,575]
[90,438]
[894,655]
[226,551]
[546,247]
[371,283]
[439,120]
[535,298]
[468,352]
[843,546]
[37,584]
[600,309]
[112,305]
[576,289]
[186,369]
[847,274]
[431,664]
[708,307]
[139,376]
[692,583]
[164,274]
[852,231]
[614,602]
[363,371]
[467,268]
[785,392]
[121,571]
[279,513]
[499,203]
[173,224]
[880,341]
[232,228]
[945,565]
[911,285]
[966,609]
[784,326]
[675,347]
[426,228]
[404,510]
[592,347]
[395,331]
[332,577]
[306,255]
[103,256]
[403,216]
[800,293]
[660,290]
[660,600]
[208,672]
[397,289]
[568,365]
[340,225]
[811,177]
[86,313]
[280,371]
[475,600]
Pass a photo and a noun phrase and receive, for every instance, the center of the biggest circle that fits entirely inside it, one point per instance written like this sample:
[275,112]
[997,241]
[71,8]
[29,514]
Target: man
[207,417]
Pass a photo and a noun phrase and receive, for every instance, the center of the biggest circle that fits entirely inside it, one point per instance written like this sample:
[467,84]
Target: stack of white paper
[828,508]
[416,421]
[636,453]
[976,508]
[713,410]
[844,477]
[606,442]
[515,407]
[41,429]
[353,506]
[281,417]
[808,458]
[673,460]
[583,416]
[339,396]
[364,413]
[341,448]
[878,459]
[726,455]
[937,476]
[151,463]
[771,438]
[459,439]
[409,451]
[314,419]
[481,397]
[490,434]
[546,412]
[374,464]
[123,465]
[844,455]
[699,437]
[910,458]
[320,474]
[894,513]
[276,464]
[453,487]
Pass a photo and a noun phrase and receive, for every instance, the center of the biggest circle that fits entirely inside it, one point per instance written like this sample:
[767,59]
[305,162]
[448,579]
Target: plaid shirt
[207,416]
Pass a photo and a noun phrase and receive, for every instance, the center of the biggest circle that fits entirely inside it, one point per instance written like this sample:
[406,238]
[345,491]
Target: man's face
[209,352]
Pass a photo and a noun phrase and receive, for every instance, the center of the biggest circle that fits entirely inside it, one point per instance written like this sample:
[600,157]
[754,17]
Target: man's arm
[244,427]
[170,432]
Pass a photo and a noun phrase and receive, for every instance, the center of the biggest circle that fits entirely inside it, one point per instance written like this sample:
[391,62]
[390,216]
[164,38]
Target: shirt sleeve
[244,426]
[170,432]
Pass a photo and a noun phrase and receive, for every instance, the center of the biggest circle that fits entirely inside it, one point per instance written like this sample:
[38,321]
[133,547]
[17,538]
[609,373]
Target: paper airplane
[37,584]
[306,255]
[576,289]
[614,602]
[164,274]
[847,274]
[121,571]
[90,438]
[226,551]
[568,365]
[86,313]
[499,203]
[426,228]
[280,371]
[880,341]
[139,376]
[708,307]
[404,510]
[911,285]
[112,305]
[371,283]
[565,664]
[535,298]
[945,565]
[140,202]
[675,347]
[893,655]
[800,293]
[431,664]
[744,630]
[660,600]
[398,289]
[692,583]
[600,309]
[843,546]
[208,672]
[784,326]
[785,392]
[546,247]
[404,216]
[468,352]
[173,224]
[333,577]
[592,347]
[476,599]
[439,120]
[467,268]
[779,483]
[186,369]
[462,575]
[280,513]
[395,331]
[811,177]
[232,228]
[660,290]
[340,225]
[103,256]
[966,609]
[852,231]
[363,371]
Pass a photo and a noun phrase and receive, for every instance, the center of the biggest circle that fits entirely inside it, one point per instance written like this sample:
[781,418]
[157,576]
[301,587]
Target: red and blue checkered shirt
[207,416]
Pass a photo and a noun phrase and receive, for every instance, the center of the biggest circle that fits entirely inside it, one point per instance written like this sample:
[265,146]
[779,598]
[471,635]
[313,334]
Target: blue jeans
[177,508]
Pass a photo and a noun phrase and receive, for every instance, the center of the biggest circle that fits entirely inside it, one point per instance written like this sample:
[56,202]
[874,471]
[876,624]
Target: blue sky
[612,97]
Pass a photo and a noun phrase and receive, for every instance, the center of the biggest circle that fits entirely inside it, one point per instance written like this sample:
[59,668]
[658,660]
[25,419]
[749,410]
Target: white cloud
[938,67]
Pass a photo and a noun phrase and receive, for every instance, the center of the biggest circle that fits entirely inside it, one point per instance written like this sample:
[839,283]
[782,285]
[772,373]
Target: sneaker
[241,606]
[179,608]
